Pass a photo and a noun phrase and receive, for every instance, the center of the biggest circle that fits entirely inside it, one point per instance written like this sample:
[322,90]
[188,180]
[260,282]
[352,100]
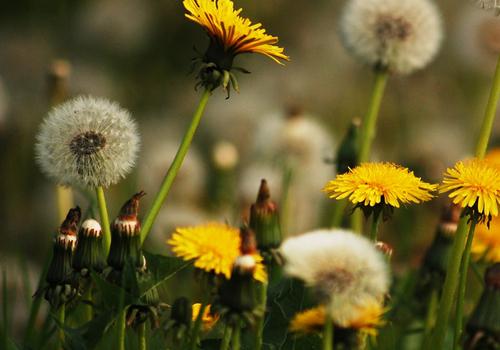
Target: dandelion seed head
[400,35]
[87,142]
[345,269]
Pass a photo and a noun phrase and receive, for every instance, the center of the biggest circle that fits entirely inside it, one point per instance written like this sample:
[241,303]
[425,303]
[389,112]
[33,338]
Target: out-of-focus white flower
[87,142]
[344,268]
[225,155]
[400,35]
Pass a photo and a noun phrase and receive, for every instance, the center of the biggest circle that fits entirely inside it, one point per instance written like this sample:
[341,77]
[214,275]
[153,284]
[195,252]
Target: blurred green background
[139,54]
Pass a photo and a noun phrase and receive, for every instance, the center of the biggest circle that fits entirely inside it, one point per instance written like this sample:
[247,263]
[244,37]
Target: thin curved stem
[103,213]
[260,322]
[61,317]
[328,333]
[236,345]
[489,114]
[121,329]
[449,288]
[226,338]
[142,336]
[374,226]
[172,171]
[368,126]
[459,315]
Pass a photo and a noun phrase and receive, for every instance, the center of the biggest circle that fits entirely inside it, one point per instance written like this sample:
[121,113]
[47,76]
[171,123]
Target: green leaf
[161,269]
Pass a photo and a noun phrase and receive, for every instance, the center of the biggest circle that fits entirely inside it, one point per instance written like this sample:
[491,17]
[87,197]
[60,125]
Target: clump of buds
[264,219]
[89,253]
[483,328]
[125,236]
[60,281]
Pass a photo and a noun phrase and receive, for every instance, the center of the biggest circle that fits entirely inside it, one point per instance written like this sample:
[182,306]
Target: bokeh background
[285,125]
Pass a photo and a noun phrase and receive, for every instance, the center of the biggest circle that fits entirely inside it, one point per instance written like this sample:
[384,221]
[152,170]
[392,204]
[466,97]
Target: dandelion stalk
[236,336]
[369,123]
[88,308]
[60,315]
[374,226]
[462,286]
[142,336]
[174,167]
[197,327]
[260,322]
[489,114]
[328,333]
[226,338]
[103,212]
[121,328]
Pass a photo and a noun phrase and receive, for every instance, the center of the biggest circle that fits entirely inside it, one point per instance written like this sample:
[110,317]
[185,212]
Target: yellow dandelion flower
[308,321]
[367,320]
[208,319]
[474,184]
[370,184]
[230,32]
[214,247]
[486,243]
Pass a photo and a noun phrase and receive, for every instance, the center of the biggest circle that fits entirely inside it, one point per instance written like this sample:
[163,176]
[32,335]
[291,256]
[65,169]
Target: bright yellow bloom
[475,184]
[370,184]
[214,247]
[231,32]
[486,243]
[309,321]
[208,319]
[368,319]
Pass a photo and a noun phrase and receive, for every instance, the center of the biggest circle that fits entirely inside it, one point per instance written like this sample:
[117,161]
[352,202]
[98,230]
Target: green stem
[260,321]
[489,114]
[121,329]
[197,327]
[5,310]
[431,313]
[369,123]
[61,317]
[328,333]
[89,313]
[142,336]
[174,167]
[374,226]
[103,212]
[338,213]
[357,221]
[226,338]
[449,288]
[236,336]
[462,287]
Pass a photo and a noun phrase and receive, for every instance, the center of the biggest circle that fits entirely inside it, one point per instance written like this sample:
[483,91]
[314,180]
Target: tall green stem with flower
[452,273]
[172,172]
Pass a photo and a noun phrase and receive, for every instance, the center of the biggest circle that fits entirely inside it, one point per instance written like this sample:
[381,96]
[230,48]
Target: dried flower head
[345,270]
[87,142]
[399,35]
[371,184]
[474,184]
[214,247]
[230,35]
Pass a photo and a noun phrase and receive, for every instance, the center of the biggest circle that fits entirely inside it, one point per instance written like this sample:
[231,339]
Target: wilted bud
[59,274]
[89,253]
[483,328]
[125,236]
[264,219]
[347,154]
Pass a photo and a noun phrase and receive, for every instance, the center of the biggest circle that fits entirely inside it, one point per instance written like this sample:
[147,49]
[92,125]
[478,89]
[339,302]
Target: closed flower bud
[347,154]
[125,236]
[264,219]
[483,328]
[59,275]
[89,254]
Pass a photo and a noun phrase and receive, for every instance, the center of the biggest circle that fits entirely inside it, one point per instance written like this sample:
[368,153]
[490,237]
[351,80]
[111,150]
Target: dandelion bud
[59,275]
[347,154]
[385,248]
[483,328]
[264,219]
[125,236]
[88,253]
